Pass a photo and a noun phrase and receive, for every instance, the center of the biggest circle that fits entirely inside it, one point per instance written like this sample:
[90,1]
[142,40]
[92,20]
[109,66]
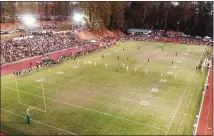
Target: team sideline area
[132,88]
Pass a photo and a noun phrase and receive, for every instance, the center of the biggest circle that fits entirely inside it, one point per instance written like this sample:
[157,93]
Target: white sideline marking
[119,98]
[127,109]
[131,92]
[97,111]
[75,66]
[181,124]
[185,112]
[110,95]
[177,108]
[104,87]
[196,129]
[105,113]
[38,122]
[179,61]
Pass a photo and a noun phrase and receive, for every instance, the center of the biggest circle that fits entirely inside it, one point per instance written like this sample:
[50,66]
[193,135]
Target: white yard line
[185,113]
[136,93]
[202,101]
[118,89]
[124,98]
[51,90]
[71,133]
[184,116]
[100,102]
[67,94]
[108,114]
[179,106]
[177,109]
[114,93]
[104,113]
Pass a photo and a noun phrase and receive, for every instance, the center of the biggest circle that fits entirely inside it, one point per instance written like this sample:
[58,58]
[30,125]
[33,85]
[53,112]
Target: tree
[194,18]
[8,13]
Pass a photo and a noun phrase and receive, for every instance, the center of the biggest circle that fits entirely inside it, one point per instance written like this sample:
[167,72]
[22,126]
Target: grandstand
[81,78]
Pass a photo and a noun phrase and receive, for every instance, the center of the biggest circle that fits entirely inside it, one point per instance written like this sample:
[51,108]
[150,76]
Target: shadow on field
[9,130]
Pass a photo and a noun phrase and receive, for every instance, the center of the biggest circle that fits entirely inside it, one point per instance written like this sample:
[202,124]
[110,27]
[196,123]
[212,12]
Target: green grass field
[89,99]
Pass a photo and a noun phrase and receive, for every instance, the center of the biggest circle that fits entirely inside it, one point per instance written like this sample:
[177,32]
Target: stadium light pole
[28,20]
[178,25]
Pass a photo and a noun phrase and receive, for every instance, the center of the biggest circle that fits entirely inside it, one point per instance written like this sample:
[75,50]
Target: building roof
[138,31]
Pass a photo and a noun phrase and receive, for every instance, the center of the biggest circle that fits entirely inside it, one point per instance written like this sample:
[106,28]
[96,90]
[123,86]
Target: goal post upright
[43,93]
[32,107]
[17,90]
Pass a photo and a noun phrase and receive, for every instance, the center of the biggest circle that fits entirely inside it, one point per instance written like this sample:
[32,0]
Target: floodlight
[77,17]
[28,20]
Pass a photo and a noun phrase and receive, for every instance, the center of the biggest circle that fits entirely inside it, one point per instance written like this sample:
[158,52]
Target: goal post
[17,90]
[29,106]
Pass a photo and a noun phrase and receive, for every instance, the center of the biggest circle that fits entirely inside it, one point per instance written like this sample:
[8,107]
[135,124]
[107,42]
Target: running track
[10,68]
[205,125]
[17,66]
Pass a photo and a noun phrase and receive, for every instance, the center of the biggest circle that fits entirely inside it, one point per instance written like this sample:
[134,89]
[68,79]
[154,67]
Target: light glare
[77,17]
[28,20]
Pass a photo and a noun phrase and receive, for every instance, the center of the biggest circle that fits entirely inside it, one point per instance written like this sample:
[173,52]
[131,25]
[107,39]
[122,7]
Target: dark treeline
[194,18]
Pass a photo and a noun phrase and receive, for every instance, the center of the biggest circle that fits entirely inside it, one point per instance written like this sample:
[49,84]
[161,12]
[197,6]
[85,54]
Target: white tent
[93,41]
[207,37]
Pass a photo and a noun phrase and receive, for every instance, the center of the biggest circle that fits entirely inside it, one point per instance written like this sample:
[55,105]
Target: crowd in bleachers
[178,39]
[193,40]
[46,43]
[42,44]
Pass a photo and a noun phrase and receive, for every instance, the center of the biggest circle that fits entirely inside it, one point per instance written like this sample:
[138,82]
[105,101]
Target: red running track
[10,68]
[3,134]
[24,64]
[205,125]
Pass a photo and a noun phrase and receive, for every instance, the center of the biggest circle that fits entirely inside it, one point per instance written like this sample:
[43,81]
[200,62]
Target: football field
[87,95]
